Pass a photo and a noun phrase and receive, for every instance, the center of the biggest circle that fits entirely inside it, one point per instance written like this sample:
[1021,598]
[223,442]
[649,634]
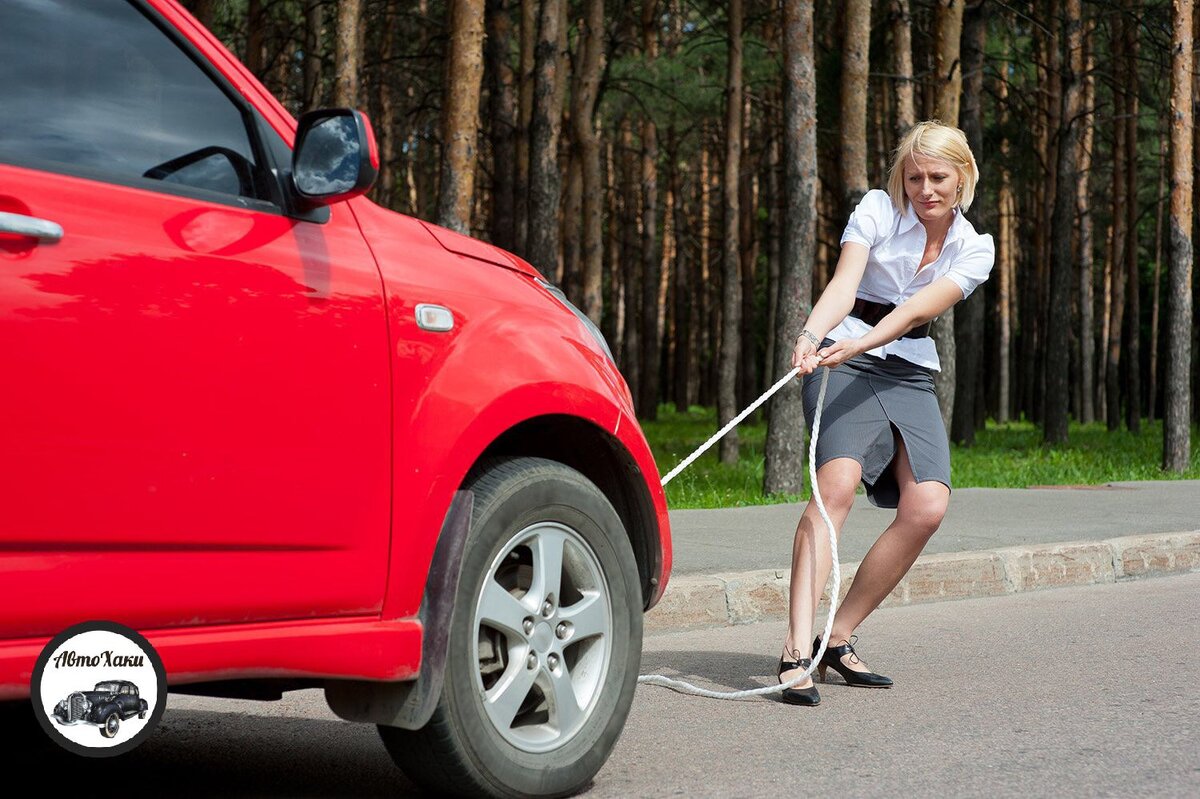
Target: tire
[521,650]
[112,723]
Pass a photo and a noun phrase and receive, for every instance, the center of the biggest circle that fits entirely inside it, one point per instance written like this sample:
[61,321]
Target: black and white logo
[99,689]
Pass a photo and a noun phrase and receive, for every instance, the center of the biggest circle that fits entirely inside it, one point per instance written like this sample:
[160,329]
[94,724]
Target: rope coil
[686,687]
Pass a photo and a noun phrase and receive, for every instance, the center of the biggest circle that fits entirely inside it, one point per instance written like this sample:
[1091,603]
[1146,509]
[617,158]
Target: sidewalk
[731,565]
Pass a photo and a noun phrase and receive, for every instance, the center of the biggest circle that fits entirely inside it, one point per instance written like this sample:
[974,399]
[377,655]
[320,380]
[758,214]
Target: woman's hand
[804,356]
[839,352]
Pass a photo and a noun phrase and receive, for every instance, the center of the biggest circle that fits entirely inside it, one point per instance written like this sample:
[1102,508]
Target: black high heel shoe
[832,659]
[798,696]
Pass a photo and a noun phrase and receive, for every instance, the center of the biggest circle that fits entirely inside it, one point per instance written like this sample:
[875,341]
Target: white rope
[686,687]
[732,424]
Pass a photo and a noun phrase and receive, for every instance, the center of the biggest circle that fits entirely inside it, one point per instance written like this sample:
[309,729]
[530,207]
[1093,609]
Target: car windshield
[109,687]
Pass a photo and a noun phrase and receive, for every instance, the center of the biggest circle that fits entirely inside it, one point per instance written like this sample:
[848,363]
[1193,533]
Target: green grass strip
[1007,455]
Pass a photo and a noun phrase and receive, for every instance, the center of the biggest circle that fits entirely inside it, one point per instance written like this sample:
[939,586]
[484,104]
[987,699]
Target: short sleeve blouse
[896,242]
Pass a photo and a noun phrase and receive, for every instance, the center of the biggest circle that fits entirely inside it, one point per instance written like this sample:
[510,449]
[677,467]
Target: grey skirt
[869,401]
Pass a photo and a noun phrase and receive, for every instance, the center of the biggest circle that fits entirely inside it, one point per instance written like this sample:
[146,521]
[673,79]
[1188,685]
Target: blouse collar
[957,227]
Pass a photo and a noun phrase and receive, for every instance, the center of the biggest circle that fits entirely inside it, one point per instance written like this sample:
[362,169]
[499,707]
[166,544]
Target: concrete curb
[695,601]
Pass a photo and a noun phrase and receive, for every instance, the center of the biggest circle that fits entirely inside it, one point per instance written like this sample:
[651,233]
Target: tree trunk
[828,231]
[880,111]
[348,53]
[1025,315]
[502,121]
[784,459]
[545,178]
[948,77]
[853,127]
[684,339]
[591,65]
[666,259]
[314,24]
[902,66]
[969,316]
[1151,403]
[256,30]
[771,236]
[651,274]
[460,115]
[1106,287]
[1055,430]
[631,262]
[205,11]
[281,55]
[384,122]
[529,37]
[1007,292]
[1117,314]
[1195,283]
[1133,315]
[1049,125]
[1176,393]
[948,68]
[748,224]
[704,292]
[610,322]
[572,212]
[731,248]
[1004,257]
[1087,321]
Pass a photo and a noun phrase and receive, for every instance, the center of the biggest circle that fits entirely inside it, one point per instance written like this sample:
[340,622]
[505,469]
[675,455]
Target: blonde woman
[908,254]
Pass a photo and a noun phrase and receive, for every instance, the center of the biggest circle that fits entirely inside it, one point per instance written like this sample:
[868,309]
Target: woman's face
[932,186]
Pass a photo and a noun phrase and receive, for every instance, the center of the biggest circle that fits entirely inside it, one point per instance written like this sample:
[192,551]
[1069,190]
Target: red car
[291,437]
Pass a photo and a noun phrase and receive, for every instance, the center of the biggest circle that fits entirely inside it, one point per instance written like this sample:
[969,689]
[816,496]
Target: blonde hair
[935,140]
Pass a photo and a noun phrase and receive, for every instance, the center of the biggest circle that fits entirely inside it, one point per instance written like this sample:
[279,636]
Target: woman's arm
[838,297]
[835,302]
[924,306]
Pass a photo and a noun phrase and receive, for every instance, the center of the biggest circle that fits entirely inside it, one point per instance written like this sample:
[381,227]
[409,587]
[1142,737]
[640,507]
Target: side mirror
[335,156]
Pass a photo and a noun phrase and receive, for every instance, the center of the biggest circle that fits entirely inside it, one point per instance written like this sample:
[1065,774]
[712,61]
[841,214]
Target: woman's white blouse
[896,242]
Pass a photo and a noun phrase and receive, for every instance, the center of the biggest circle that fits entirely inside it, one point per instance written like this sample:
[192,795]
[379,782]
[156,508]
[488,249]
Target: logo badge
[99,689]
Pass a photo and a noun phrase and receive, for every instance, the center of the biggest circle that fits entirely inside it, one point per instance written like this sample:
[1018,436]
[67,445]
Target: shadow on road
[718,671]
[203,753]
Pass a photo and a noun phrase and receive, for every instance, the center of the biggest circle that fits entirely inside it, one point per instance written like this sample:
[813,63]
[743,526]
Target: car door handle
[41,229]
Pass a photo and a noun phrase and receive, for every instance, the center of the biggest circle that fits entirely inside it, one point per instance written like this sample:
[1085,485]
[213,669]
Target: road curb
[718,600]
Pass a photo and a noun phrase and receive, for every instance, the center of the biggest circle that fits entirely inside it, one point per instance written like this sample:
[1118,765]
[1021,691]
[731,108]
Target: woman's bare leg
[811,561]
[920,512]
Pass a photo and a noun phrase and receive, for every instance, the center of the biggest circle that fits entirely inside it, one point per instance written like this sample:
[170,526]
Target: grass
[1007,455]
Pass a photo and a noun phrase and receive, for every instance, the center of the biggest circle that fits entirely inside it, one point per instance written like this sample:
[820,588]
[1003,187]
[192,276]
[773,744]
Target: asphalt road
[1086,691]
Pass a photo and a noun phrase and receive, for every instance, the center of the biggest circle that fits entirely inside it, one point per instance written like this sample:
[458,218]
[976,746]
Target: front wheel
[545,641]
[112,723]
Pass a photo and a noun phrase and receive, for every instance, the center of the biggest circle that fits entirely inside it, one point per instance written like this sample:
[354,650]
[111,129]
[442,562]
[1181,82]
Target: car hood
[459,244]
[96,697]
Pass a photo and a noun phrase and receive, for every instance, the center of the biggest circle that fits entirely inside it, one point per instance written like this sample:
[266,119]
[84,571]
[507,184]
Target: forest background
[683,170]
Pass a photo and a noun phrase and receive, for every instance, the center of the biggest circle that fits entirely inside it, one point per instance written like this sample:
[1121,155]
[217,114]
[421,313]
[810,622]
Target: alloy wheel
[543,636]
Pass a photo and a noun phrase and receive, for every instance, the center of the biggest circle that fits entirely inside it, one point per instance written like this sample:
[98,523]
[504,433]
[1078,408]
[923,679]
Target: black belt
[873,312]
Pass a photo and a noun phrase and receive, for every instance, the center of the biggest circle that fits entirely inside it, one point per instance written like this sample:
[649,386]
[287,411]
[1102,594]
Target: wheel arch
[601,458]
[572,441]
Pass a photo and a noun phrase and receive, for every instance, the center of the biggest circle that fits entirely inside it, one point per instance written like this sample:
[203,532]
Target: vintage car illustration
[107,705]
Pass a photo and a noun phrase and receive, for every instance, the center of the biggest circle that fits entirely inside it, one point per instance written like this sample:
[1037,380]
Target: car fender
[450,445]
[101,712]
[513,353]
